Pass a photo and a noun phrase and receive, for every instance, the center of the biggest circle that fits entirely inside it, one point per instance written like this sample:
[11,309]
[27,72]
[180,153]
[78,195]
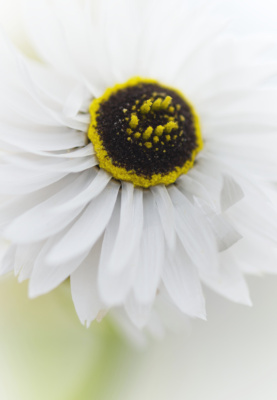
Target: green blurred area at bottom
[46,354]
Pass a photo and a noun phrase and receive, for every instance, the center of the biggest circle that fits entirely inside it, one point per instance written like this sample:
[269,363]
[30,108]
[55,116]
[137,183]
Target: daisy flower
[138,157]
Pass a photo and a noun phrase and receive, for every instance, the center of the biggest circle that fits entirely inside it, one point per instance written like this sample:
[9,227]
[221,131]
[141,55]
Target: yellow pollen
[147,133]
[159,130]
[146,107]
[157,104]
[178,107]
[171,109]
[134,121]
[129,131]
[155,139]
[137,135]
[182,118]
[168,138]
[166,102]
[148,145]
[125,110]
[129,139]
[171,125]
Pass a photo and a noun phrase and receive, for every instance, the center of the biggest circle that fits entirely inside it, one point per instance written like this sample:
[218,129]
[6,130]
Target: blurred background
[46,354]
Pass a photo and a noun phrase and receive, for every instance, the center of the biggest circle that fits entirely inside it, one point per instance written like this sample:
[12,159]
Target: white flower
[124,246]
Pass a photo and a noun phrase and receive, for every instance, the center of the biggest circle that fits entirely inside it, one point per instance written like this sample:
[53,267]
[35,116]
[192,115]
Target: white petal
[39,138]
[122,48]
[166,213]
[128,237]
[255,255]
[75,101]
[247,162]
[20,204]
[22,106]
[84,288]
[43,220]
[81,152]
[25,258]
[45,277]
[94,189]
[138,313]
[114,287]
[45,105]
[230,282]
[255,214]
[205,172]
[225,233]
[53,85]
[194,188]
[16,180]
[204,30]
[195,234]
[255,101]
[50,44]
[231,193]
[182,283]
[88,227]
[8,260]
[171,316]
[234,82]
[50,165]
[151,253]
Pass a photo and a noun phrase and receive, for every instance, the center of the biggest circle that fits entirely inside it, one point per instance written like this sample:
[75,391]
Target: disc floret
[144,132]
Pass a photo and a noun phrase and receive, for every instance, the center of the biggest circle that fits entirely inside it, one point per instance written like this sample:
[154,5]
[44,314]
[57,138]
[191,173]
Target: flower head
[138,157]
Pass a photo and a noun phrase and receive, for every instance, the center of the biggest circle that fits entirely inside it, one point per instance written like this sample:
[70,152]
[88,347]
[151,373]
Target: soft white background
[233,356]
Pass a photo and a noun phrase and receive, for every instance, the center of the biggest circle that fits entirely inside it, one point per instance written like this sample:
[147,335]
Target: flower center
[144,132]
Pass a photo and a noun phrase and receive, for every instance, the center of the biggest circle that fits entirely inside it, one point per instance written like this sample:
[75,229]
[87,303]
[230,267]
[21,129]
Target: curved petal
[45,276]
[138,313]
[130,228]
[8,260]
[195,234]
[166,213]
[151,256]
[230,282]
[84,287]
[183,284]
[87,229]
[42,221]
